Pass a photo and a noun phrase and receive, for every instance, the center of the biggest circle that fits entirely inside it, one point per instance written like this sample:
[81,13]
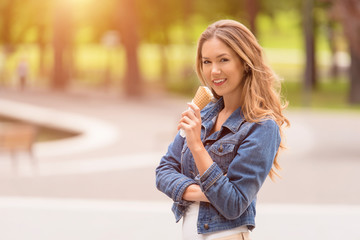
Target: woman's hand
[191,124]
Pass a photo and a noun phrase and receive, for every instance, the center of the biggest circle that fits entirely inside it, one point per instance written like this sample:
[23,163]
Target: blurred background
[130,46]
[91,92]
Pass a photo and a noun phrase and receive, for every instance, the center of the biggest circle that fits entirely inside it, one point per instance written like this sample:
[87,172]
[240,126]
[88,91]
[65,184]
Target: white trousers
[189,228]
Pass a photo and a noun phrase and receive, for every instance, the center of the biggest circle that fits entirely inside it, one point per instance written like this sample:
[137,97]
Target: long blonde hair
[261,86]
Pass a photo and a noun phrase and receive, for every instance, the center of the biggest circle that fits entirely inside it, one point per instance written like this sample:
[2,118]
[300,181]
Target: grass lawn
[328,95]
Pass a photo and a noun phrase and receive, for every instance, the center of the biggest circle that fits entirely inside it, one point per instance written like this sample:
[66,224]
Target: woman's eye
[206,62]
[224,60]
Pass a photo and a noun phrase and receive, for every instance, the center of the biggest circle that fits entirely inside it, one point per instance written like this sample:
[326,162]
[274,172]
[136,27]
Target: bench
[17,137]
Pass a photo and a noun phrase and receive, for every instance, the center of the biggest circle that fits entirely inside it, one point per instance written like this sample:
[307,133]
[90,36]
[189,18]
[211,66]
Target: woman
[214,174]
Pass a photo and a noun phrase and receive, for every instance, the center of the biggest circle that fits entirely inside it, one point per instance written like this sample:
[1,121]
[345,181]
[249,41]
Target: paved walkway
[88,187]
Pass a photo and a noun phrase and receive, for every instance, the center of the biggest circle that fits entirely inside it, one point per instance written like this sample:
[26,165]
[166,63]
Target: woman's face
[222,68]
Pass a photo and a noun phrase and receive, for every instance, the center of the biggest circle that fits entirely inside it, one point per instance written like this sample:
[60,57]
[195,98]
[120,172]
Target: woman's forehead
[215,47]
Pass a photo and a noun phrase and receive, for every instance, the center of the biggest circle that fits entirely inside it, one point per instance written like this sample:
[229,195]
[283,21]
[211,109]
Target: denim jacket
[243,154]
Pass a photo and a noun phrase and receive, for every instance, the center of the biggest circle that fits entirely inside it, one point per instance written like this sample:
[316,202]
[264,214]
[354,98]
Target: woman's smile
[219,81]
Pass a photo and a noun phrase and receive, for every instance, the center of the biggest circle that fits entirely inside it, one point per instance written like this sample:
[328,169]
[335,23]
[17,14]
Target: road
[101,184]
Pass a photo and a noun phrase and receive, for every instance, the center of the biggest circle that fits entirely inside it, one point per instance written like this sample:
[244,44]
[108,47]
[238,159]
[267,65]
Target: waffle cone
[202,97]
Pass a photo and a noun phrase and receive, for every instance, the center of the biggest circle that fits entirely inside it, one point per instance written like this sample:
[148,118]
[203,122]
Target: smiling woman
[231,146]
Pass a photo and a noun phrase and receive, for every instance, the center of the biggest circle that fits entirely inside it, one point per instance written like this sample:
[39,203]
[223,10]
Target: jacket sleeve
[232,194]
[169,178]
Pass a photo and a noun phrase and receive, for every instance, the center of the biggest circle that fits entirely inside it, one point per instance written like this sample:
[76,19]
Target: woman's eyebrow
[218,56]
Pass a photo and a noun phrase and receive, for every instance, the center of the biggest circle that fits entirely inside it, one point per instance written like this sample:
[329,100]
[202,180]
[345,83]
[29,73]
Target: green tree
[307,11]
[123,16]
[42,24]
[156,22]
[14,24]
[62,41]
[128,23]
[347,12]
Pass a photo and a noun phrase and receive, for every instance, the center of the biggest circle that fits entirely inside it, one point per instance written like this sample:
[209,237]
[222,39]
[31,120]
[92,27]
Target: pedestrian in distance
[214,174]
[22,72]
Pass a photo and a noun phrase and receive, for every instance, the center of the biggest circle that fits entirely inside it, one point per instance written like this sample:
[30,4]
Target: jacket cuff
[210,176]
[180,189]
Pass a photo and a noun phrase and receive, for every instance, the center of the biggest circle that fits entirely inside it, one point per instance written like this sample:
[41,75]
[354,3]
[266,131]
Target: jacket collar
[233,123]
[235,120]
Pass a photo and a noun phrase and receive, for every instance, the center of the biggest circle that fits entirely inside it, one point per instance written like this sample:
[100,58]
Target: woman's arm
[191,124]
[194,193]
[169,178]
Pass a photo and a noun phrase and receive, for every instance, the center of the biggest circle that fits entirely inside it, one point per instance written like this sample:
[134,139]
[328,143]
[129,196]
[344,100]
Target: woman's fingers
[183,126]
[186,120]
[195,109]
[191,119]
[189,113]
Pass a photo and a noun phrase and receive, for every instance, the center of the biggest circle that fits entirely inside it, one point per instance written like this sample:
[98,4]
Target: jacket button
[206,226]
[221,148]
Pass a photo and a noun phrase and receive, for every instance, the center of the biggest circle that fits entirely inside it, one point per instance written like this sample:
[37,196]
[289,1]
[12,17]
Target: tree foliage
[149,21]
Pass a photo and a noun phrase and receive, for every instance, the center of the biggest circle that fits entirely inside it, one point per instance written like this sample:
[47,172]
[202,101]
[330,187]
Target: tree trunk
[310,70]
[331,36]
[128,28]
[164,64]
[7,19]
[42,46]
[188,6]
[252,7]
[354,95]
[61,41]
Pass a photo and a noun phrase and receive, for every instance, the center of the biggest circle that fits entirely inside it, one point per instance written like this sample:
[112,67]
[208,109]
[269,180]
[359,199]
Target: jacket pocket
[222,153]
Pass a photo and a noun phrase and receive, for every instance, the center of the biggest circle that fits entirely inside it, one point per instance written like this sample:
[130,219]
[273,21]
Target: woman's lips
[219,81]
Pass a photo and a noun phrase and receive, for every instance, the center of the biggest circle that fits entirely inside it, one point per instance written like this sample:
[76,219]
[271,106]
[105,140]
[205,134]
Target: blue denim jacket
[243,155]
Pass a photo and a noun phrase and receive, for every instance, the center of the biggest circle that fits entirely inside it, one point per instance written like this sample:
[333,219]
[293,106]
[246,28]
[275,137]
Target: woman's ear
[246,68]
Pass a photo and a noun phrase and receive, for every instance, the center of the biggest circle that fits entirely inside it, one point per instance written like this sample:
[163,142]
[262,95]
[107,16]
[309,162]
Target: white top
[189,229]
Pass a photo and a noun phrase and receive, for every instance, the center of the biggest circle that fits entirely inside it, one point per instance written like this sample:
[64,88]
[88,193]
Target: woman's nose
[215,70]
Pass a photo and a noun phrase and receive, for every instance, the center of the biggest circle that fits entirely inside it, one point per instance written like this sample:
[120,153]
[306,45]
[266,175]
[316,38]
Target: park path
[95,179]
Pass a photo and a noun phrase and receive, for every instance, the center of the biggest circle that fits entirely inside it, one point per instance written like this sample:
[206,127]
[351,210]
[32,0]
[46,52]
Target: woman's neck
[231,104]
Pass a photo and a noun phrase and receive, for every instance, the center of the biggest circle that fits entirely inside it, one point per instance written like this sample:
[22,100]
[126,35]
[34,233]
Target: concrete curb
[94,133]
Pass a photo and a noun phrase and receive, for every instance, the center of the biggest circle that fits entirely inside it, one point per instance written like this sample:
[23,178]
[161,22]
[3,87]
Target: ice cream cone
[202,97]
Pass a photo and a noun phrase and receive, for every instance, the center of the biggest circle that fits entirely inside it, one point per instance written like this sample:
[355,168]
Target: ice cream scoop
[202,98]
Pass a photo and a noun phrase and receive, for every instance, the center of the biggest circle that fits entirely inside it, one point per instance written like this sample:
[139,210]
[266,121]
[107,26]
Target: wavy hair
[261,98]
